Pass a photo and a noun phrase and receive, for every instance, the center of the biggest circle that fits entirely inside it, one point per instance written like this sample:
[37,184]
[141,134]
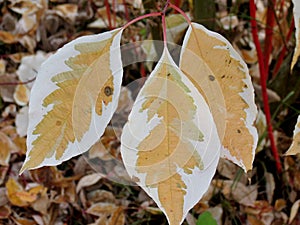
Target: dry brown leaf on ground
[21,121]
[13,188]
[5,212]
[244,195]
[6,145]
[88,180]
[261,212]
[294,211]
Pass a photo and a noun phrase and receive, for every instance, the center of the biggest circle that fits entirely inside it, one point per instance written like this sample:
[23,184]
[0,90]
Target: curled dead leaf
[21,121]
[21,95]
[13,188]
[5,211]
[294,211]
[88,180]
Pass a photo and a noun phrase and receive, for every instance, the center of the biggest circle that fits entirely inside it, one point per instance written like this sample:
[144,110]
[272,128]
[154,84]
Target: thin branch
[142,17]
[181,12]
[126,10]
[263,83]
[108,14]
[16,83]
[284,49]
[269,34]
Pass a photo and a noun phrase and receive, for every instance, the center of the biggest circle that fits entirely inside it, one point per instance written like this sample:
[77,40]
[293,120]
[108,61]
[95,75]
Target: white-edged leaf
[297,32]
[222,77]
[170,145]
[295,147]
[73,99]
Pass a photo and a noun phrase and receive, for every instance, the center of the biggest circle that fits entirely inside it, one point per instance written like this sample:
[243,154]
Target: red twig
[281,5]
[142,70]
[269,34]
[126,10]
[263,83]
[114,14]
[142,17]
[177,3]
[181,12]
[108,14]
[284,49]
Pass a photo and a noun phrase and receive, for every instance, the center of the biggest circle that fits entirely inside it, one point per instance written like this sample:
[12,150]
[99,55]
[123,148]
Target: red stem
[126,10]
[181,12]
[263,83]
[142,70]
[164,26]
[269,34]
[108,14]
[142,17]
[114,14]
[284,49]
[177,4]
[281,5]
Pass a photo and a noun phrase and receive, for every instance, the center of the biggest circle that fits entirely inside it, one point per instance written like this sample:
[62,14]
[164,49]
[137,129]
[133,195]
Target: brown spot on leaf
[108,91]
[211,77]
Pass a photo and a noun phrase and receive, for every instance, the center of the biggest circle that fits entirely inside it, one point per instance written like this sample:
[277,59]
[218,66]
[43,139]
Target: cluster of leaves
[75,193]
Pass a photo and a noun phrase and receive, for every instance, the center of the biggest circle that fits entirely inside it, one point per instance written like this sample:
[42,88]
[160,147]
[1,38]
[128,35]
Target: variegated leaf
[295,147]
[73,99]
[170,145]
[222,77]
[297,25]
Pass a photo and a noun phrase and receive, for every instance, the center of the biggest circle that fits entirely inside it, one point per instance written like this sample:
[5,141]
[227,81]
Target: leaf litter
[75,192]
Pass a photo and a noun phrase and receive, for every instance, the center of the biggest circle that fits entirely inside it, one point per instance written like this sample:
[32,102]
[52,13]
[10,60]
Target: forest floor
[94,188]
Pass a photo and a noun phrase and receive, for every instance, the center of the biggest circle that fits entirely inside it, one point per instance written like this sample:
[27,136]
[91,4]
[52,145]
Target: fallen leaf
[68,11]
[22,121]
[244,195]
[6,146]
[101,208]
[2,66]
[100,196]
[3,196]
[7,91]
[5,211]
[21,95]
[280,204]
[88,180]
[30,66]
[117,217]
[294,211]
[229,22]
[7,37]
[270,186]
[23,221]
[13,188]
